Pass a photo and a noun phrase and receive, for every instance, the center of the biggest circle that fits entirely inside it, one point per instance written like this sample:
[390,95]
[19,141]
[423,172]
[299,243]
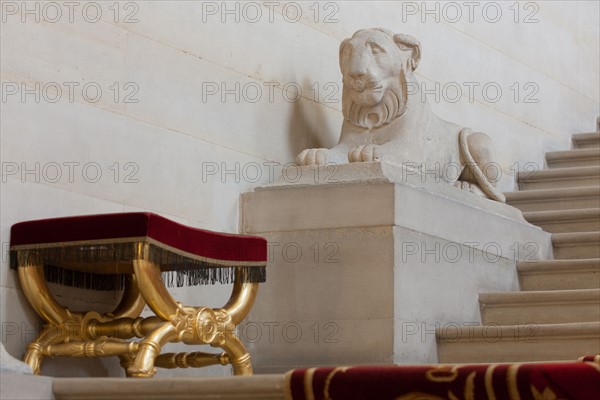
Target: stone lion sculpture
[386,118]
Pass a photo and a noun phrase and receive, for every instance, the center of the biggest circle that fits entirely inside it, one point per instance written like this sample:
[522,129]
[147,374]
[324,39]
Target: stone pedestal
[367,259]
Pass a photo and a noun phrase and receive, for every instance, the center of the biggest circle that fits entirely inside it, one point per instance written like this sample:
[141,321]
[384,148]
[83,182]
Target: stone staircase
[556,315]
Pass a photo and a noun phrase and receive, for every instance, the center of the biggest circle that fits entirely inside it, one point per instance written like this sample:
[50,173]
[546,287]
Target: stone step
[559,178]
[257,387]
[586,140]
[559,274]
[556,221]
[573,158]
[540,307]
[554,199]
[518,343]
[576,245]
[20,386]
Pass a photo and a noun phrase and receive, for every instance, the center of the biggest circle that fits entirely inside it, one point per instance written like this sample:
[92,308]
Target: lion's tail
[489,189]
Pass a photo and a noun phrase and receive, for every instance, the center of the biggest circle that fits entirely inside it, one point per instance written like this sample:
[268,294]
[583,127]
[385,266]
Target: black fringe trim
[84,280]
[104,253]
[177,270]
[181,278]
[211,276]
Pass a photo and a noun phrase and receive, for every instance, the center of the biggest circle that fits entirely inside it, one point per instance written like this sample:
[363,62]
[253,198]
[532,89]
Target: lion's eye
[375,48]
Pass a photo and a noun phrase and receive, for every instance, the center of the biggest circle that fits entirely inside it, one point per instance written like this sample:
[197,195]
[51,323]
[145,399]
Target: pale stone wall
[198,105]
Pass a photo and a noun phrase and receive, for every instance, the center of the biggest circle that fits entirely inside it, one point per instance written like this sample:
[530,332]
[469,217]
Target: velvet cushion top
[139,225]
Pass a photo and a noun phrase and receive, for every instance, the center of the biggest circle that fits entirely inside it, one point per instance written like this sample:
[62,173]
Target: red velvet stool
[138,252]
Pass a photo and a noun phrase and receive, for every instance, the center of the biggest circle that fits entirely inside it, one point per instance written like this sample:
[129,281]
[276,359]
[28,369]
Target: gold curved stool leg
[187,323]
[241,300]
[149,349]
[239,305]
[126,361]
[33,355]
[152,289]
[238,355]
[132,303]
[36,291]
[131,306]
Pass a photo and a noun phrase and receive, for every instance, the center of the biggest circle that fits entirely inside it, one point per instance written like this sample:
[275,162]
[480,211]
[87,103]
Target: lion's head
[375,64]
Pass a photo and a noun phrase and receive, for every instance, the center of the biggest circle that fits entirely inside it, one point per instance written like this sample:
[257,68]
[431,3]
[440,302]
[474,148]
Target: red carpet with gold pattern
[536,381]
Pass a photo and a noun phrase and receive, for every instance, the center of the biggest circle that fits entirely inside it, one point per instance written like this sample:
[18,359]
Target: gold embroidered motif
[511,381]
[452,396]
[308,380]
[547,394]
[489,384]
[470,386]
[442,373]
[469,389]
[329,378]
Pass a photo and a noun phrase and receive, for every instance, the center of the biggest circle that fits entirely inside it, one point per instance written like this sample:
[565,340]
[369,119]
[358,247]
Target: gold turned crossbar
[90,334]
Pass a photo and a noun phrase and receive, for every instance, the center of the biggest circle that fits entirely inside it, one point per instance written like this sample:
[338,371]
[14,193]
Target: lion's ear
[342,46]
[407,42]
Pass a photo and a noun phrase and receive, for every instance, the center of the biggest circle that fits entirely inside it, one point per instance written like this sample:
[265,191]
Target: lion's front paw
[365,153]
[312,157]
